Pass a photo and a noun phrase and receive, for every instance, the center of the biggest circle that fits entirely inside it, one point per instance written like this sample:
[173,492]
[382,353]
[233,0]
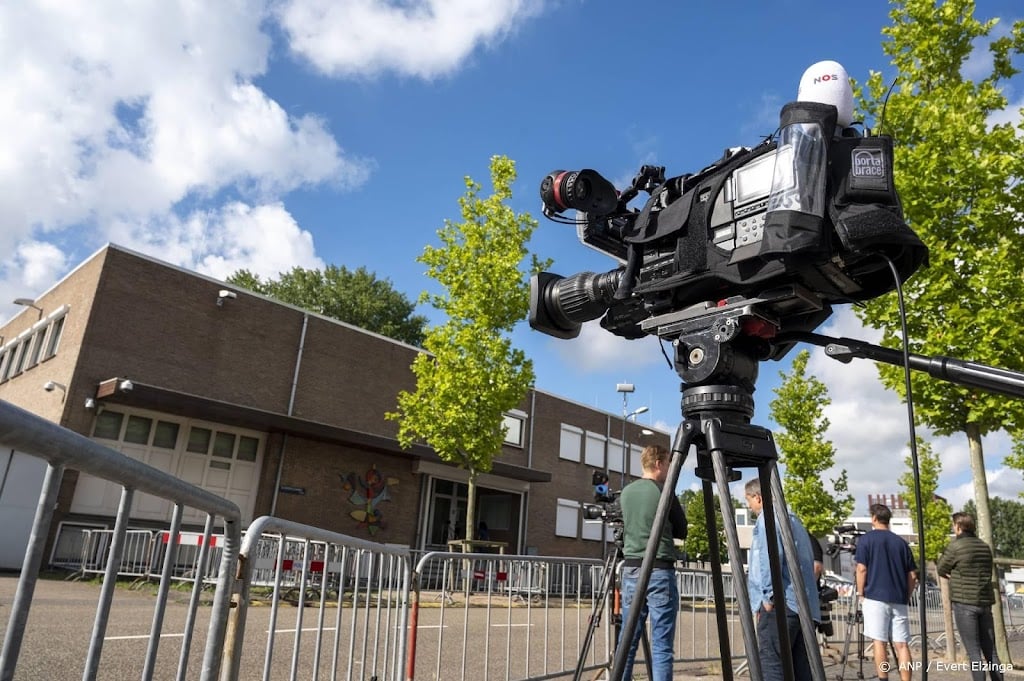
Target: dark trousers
[978,633]
[769,647]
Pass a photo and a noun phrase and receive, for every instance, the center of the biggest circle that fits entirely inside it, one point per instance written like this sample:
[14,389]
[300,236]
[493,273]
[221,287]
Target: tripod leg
[600,605]
[646,642]
[717,582]
[798,578]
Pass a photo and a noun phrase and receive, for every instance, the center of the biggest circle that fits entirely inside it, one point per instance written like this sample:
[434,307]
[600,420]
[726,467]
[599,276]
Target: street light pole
[625,459]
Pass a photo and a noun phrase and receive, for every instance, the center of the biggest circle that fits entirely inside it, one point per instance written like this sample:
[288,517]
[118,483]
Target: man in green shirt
[639,502]
[967,563]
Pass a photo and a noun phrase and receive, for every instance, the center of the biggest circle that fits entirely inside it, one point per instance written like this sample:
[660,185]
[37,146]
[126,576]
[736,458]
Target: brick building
[281,411]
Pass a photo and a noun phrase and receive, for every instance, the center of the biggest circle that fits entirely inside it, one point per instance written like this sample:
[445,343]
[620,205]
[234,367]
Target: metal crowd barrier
[527,618]
[62,449]
[365,584]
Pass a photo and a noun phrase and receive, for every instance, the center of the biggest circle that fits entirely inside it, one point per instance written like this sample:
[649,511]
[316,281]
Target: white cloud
[870,430]
[264,239]
[121,113]
[423,38]
[596,349]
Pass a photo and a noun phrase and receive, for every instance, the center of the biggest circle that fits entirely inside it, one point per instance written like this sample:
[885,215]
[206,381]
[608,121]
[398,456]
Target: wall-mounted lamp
[90,403]
[125,386]
[223,295]
[28,302]
[50,386]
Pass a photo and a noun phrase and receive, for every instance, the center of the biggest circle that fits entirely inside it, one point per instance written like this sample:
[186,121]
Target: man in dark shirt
[967,563]
[886,575]
[639,502]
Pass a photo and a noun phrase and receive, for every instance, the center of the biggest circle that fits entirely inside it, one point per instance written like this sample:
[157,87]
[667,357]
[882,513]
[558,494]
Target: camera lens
[559,305]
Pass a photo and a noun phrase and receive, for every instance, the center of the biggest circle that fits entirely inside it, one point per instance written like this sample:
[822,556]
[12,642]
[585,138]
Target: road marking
[130,638]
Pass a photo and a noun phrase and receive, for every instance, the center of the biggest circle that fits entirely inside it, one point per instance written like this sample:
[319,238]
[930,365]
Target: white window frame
[570,443]
[594,450]
[567,512]
[518,419]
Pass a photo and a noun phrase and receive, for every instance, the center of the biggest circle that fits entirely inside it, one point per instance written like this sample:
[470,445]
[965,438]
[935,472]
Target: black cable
[922,604]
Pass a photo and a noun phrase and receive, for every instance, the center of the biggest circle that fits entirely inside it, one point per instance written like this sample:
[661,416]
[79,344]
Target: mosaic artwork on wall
[367,492]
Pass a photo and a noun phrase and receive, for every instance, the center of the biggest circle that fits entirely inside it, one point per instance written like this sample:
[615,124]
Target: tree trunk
[985,533]
[471,505]
[947,619]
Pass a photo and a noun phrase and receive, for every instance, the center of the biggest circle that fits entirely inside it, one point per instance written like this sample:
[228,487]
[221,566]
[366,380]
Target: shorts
[886,621]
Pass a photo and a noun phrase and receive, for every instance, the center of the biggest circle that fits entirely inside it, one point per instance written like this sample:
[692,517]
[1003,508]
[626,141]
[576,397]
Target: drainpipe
[291,407]
[524,506]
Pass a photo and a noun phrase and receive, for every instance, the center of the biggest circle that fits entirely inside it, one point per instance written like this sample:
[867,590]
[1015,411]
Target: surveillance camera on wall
[49,386]
[224,294]
[125,385]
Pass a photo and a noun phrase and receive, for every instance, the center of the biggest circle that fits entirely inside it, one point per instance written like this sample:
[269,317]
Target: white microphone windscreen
[828,83]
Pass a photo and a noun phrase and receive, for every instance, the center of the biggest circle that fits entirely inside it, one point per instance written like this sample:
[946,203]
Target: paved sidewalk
[939,668]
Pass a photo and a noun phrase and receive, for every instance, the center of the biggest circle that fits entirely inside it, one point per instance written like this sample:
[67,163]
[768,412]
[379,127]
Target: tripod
[854,621]
[609,587]
[717,360]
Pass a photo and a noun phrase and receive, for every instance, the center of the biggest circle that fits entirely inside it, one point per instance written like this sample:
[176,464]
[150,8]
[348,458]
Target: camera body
[605,506]
[809,212]
[844,539]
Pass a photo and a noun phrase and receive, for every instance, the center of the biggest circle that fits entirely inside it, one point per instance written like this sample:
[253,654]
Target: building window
[514,426]
[53,339]
[567,518]
[166,435]
[595,450]
[37,348]
[5,362]
[570,443]
[20,355]
[108,425]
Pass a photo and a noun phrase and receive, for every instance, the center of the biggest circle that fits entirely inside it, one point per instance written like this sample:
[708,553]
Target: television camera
[794,224]
[606,502]
[844,539]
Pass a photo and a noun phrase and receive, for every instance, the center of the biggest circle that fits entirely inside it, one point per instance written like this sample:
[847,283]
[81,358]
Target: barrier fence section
[63,449]
[522,618]
[364,584]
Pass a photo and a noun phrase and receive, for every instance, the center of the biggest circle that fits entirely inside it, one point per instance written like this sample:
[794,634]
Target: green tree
[936,510]
[957,171]
[806,453]
[1016,457]
[471,375]
[698,547]
[356,297]
[1007,521]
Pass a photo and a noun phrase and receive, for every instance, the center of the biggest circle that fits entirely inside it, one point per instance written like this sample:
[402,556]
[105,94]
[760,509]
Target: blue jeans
[769,647]
[978,633]
[662,606]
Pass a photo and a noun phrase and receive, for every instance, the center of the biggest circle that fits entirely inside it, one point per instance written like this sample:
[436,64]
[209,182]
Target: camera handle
[718,366]
[970,374]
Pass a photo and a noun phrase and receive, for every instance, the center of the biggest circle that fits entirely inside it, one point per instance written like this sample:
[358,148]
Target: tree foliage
[1007,521]
[958,173]
[698,546]
[806,453]
[958,170]
[936,510]
[471,375]
[356,297]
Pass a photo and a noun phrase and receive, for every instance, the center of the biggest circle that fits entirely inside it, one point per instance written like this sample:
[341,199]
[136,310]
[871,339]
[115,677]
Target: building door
[500,510]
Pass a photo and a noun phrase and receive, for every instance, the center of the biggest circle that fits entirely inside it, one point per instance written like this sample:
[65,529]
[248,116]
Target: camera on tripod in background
[844,539]
[606,502]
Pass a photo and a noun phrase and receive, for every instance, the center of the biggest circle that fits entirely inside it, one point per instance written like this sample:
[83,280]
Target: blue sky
[309,132]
